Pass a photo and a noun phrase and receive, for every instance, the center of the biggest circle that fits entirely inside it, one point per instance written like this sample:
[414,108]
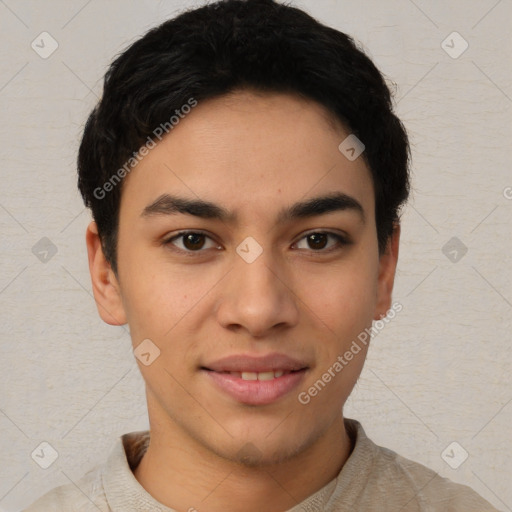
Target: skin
[253,154]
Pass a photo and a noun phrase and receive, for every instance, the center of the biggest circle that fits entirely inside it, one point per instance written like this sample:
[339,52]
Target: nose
[258,297]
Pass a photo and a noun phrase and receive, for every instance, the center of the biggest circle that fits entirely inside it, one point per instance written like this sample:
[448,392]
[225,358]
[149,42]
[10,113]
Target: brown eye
[191,241]
[317,240]
[320,241]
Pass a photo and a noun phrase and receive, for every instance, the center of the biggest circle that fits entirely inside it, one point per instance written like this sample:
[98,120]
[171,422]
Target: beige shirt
[373,479]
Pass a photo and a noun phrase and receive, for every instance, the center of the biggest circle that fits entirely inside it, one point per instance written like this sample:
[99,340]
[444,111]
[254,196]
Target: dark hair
[217,49]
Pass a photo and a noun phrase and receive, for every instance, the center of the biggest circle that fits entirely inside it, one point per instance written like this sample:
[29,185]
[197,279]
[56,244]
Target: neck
[184,475]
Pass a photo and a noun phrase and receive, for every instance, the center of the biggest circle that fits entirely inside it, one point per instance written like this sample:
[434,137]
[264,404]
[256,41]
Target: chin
[250,456]
[261,449]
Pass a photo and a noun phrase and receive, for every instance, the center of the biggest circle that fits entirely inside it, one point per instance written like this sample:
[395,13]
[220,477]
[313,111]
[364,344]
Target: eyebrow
[167,204]
[321,205]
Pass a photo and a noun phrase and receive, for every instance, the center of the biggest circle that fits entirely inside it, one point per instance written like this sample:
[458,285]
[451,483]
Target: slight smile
[256,380]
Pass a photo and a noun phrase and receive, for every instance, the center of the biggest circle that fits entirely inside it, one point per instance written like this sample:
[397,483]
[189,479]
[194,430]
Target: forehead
[252,153]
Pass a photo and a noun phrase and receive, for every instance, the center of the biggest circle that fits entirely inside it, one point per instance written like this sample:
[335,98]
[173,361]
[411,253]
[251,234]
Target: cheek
[154,306]
[344,295]
[152,298]
[344,307]
[160,298]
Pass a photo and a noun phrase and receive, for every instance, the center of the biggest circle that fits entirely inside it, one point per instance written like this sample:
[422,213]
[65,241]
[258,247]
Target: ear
[105,285]
[387,268]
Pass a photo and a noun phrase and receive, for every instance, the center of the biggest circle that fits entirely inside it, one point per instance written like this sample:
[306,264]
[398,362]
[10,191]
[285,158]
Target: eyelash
[340,239]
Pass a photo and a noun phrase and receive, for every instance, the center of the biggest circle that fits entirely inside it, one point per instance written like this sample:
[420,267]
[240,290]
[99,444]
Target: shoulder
[414,484]
[84,495]
[104,484]
[427,487]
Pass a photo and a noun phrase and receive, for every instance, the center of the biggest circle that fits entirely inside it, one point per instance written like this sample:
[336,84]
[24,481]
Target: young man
[246,172]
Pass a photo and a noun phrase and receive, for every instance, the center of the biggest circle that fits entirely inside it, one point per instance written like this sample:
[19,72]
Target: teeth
[249,376]
[265,376]
[258,375]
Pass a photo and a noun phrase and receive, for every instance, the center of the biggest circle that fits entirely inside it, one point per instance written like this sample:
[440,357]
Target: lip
[255,392]
[251,363]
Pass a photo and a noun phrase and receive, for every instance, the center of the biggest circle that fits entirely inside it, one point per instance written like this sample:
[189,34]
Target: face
[247,254]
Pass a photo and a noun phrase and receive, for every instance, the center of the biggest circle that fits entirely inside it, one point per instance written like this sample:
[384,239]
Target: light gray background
[438,373]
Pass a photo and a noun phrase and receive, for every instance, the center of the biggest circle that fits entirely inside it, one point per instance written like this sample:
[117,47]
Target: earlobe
[387,268]
[105,285]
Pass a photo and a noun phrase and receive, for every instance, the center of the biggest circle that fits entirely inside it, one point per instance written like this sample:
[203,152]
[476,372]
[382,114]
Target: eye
[191,241]
[319,241]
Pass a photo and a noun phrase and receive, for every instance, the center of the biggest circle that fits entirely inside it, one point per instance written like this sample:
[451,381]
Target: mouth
[255,380]
[251,376]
